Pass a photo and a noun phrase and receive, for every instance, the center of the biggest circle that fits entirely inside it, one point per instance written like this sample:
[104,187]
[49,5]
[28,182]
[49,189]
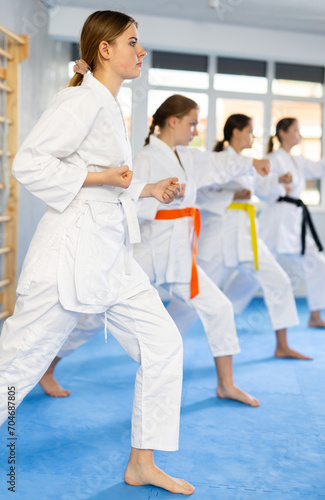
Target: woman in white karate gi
[229,241]
[167,248]
[282,220]
[77,261]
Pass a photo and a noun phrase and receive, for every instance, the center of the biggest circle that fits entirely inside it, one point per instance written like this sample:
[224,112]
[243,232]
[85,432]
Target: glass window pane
[178,78]
[125,100]
[254,109]
[157,97]
[309,115]
[295,88]
[240,83]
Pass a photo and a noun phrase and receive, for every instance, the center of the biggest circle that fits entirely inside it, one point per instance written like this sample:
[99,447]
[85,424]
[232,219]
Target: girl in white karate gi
[77,261]
[227,242]
[167,248]
[281,221]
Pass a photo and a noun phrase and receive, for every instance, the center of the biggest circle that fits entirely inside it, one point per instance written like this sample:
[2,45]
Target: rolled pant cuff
[153,445]
[225,352]
[280,326]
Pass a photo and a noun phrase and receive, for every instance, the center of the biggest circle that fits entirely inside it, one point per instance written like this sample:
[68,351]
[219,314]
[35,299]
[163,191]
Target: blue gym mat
[77,448]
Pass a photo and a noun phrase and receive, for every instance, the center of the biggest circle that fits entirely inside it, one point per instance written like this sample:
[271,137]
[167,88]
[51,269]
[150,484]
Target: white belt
[105,195]
[102,194]
[131,217]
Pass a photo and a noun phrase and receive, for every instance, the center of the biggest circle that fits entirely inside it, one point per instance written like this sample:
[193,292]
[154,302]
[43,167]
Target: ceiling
[291,15]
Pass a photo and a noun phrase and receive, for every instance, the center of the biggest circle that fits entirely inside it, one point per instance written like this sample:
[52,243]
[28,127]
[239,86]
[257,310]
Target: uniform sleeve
[146,207]
[269,188]
[136,188]
[214,200]
[313,169]
[216,169]
[47,163]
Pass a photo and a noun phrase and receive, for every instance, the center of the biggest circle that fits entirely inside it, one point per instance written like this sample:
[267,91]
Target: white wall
[194,37]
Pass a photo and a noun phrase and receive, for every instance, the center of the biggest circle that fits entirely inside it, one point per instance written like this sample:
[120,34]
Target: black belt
[306,220]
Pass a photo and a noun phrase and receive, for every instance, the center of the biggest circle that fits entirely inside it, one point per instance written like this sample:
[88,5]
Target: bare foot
[238,395]
[52,387]
[316,324]
[137,475]
[290,353]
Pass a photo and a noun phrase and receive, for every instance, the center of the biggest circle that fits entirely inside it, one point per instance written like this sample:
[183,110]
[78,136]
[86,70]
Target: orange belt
[177,213]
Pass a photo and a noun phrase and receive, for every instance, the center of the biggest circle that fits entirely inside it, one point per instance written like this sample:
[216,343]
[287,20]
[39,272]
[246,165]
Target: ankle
[141,458]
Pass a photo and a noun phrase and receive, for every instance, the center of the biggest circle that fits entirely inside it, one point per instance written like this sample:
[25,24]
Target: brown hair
[283,124]
[101,25]
[175,105]
[234,121]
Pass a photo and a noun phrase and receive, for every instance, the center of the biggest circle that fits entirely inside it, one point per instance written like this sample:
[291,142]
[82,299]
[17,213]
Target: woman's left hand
[166,190]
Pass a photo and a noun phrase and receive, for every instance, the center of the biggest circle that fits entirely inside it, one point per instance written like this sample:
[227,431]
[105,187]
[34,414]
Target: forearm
[147,191]
[98,178]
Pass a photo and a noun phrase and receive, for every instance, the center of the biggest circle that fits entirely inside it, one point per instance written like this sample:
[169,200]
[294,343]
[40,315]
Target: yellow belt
[251,210]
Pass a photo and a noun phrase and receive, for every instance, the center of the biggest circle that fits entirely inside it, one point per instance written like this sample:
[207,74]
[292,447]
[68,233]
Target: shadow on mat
[122,491]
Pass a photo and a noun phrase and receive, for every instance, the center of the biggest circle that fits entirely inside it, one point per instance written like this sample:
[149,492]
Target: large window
[265,90]
[243,86]
[170,69]
[298,80]
[240,75]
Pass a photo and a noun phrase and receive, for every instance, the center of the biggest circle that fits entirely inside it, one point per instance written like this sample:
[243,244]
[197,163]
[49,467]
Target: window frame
[142,86]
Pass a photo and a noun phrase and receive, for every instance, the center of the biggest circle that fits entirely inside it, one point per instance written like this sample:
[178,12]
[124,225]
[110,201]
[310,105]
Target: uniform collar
[162,146]
[91,82]
[231,151]
[284,152]
[106,98]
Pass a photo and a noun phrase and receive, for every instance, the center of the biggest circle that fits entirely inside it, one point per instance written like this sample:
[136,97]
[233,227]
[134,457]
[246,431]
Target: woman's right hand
[262,167]
[116,176]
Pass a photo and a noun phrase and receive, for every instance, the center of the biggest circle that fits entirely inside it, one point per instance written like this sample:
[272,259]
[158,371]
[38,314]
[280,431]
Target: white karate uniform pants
[270,276]
[32,337]
[311,267]
[88,326]
[214,310]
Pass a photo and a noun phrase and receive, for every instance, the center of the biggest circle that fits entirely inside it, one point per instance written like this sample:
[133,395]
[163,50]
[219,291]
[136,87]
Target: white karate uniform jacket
[82,231]
[226,242]
[165,250]
[231,227]
[280,223]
